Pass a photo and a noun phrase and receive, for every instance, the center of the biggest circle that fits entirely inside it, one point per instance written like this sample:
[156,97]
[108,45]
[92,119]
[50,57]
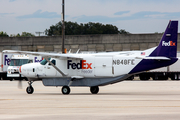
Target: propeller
[20,81]
[20,84]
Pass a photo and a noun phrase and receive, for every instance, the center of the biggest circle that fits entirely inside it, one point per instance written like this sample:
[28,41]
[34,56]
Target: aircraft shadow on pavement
[122,94]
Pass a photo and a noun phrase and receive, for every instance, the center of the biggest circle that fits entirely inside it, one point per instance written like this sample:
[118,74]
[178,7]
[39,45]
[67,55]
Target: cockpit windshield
[43,62]
[18,62]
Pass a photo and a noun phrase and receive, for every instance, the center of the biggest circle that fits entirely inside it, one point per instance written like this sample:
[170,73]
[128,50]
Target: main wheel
[30,90]
[65,90]
[94,90]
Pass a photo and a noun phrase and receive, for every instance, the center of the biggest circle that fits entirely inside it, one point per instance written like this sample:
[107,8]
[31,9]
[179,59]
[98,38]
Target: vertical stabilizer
[168,44]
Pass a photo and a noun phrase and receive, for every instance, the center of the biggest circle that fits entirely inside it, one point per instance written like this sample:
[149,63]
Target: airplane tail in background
[168,44]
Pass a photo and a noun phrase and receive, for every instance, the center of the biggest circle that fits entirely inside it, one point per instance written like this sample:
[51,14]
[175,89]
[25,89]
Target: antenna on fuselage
[77,51]
[69,51]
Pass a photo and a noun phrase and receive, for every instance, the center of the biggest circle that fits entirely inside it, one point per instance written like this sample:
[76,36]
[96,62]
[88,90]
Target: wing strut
[63,74]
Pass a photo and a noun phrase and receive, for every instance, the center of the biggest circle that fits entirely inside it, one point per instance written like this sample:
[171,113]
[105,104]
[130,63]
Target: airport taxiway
[128,100]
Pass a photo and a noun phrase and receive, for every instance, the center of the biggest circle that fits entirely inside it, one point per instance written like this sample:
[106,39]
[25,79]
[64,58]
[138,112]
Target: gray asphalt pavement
[128,100]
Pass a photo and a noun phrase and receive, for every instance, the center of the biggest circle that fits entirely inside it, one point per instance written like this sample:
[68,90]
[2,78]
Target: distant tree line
[24,34]
[73,28]
[3,34]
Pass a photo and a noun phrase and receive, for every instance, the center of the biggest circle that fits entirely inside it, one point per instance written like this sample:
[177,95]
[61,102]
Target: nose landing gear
[30,89]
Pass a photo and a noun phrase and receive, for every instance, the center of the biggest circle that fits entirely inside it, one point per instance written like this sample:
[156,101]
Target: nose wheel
[30,89]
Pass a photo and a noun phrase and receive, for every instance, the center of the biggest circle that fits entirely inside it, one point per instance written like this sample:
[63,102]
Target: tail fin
[168,44]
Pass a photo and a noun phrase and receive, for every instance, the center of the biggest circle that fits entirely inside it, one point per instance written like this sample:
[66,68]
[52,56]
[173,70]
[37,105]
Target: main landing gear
[94,89]
[30,89]
[66,90]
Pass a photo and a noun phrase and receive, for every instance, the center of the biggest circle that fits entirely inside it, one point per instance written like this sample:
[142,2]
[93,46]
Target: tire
[29,90]
[178,76]
[130,78]
[155,78]
[94,90]
[174,76]
[65,90]
[165,78]
[144,78]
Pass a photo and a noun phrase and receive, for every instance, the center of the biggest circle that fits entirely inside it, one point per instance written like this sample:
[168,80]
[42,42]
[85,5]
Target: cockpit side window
[43,62]
[53,61]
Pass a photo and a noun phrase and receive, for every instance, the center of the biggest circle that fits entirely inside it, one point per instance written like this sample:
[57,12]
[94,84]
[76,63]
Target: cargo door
[103,66]
[50,70]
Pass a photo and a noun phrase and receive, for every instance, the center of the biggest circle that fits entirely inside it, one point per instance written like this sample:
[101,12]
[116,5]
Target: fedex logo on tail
[170,43]
[81,65]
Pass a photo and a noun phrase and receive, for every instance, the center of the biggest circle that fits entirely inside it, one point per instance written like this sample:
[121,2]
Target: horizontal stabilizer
[154,58]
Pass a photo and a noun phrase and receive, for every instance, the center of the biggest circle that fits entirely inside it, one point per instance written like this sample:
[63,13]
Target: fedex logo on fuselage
[81,65]
[170,43]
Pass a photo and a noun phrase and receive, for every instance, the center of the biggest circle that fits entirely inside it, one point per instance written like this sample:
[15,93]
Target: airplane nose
[28,70]
[22,70]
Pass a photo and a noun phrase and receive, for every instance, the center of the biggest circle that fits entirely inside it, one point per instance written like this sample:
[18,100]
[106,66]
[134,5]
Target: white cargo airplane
[100,69]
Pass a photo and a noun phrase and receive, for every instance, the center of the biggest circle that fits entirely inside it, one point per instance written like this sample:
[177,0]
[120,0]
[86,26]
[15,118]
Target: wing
[44,54]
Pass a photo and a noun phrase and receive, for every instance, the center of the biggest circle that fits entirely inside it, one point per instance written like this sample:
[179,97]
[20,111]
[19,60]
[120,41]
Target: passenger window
[53,61]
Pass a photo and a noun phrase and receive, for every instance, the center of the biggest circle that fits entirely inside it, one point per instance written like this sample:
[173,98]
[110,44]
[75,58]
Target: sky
[134,16]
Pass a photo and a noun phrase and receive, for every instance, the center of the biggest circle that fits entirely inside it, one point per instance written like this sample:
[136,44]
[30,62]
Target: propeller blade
[20,84]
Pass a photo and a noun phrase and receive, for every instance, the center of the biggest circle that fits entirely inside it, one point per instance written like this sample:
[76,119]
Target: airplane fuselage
[90,66]
[101,68]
